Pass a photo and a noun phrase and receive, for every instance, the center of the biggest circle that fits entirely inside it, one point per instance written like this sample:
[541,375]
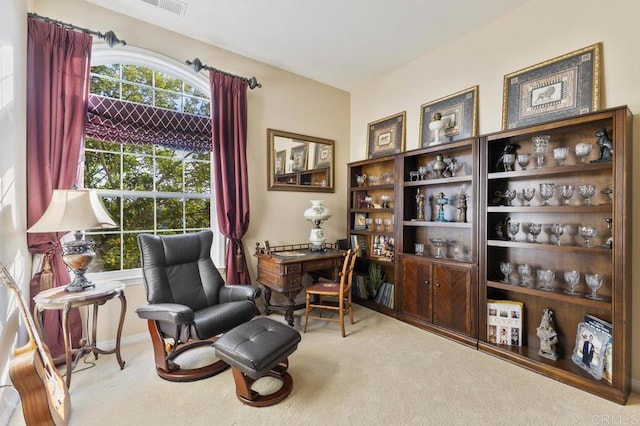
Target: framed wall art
[459,114]
[386,136]
[299,154]
[561,87]
[322,156]
[281,161]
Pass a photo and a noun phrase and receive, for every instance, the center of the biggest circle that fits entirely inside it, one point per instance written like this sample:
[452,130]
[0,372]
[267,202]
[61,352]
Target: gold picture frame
[460,112]
[386,136]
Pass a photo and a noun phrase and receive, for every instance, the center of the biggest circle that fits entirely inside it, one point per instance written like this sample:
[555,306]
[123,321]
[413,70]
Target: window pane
[138,214]
[168,175]
[137,74]
[138,149]
[169,213]
[110,70]
[101,170]
[165,151]
[139,94]
[107,252]
[137,173]
[190,90]
[197,106]
[198,213]
[101,145]
[112,204]
[168,100]
[104,87]
[197,177]
[167,82]
[130,252]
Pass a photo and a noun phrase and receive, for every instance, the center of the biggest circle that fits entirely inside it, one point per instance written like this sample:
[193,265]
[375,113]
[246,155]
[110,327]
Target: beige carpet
[384,372]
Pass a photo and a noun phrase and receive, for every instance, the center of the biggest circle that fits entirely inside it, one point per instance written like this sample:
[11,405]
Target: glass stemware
[506,268]
[512,229]
[540,145]
[583,150]
[528,194]
[422,172]
[509,195]
[523,160]
[594,282]
[546,192]
[566,191]
[534,231]
[545,277]
[524,271]
[557,229]
[361,179]
[454,167]
[587,191]
[560,154]
[572,278]
[439,244]
[508,160]
[587,232]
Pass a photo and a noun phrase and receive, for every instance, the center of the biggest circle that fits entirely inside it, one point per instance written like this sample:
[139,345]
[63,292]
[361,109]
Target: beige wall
[537,31]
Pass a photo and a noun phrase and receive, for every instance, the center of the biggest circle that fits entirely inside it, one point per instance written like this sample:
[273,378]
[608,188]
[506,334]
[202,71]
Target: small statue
[509,148]
[500,227]
[462,207]
[548,336]
[605,144]
[420,201]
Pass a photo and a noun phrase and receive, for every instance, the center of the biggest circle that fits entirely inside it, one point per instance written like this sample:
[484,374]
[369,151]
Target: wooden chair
[333,296]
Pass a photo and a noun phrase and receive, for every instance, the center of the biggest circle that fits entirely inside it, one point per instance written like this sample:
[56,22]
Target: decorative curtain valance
[117,121]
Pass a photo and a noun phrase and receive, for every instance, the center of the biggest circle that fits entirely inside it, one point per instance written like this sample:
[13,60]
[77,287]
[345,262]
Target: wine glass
[534,230]
[546,192]
[512,229]
[583,150]
[587,232]
[594,282]
[560,154]
[506,268]
[422,172]
[587,191]
[557,229]
[524,271]
[523,160]
[566,191]
[540,145]
[546,276]
[509,195]
[528,194]
[507,161]
[572,278]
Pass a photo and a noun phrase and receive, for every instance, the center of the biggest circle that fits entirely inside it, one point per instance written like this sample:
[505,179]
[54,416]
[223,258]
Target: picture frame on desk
[589,351]
[561,87]
[386,136]
[460,113]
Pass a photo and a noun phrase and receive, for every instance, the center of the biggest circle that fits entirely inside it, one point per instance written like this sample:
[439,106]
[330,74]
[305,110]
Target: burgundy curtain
[229,124]
[58,61]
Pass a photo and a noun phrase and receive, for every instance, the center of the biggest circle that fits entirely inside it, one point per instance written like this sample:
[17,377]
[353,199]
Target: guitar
[43,392]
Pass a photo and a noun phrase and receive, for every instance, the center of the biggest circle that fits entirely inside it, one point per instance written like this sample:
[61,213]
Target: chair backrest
[351,265]
[179,269]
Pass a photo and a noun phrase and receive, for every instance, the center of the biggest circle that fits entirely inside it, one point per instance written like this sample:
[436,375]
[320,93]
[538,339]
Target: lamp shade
[73,210]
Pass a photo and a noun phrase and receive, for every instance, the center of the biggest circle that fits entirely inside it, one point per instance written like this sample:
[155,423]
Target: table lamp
[75,210]
[316,214]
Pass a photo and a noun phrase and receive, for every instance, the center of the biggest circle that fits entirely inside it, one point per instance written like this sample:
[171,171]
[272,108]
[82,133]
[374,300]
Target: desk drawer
[323,264]
[292,269]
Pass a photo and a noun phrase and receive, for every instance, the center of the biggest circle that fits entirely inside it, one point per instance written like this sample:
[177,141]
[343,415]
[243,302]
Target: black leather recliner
[189,303]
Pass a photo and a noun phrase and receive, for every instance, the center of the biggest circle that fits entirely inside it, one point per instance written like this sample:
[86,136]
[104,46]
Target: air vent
[173,6]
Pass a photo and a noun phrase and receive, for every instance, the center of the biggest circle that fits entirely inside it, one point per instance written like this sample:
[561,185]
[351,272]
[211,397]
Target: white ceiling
[343,43]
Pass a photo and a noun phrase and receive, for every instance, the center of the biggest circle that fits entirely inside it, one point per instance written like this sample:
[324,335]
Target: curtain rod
[198,65]
[109,37]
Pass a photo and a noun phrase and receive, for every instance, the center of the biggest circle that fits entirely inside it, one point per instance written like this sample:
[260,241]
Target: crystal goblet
[546,192]
[534,231]
[560,154]
[508,160]
[524,271]
[506,268]
[545,277]
[523,160]
[587,233]
[540,145]
[594,282]
[509,195]
[422,172]
[439,244]
[587,191]
[572,278]
[512,229]
[528,194]
[583,150]
[566,191]
[557,229]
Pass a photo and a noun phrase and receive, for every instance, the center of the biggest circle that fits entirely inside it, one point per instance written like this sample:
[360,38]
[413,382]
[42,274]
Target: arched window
[147,154]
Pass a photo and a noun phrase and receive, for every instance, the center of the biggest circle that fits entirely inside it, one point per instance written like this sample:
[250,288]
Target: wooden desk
[58,298]
[281,269]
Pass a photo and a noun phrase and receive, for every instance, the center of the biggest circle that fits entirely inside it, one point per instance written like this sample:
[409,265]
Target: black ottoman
[256,349]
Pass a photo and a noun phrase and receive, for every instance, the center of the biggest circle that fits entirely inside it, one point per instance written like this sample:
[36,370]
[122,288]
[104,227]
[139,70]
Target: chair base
[192,374]
[248,396]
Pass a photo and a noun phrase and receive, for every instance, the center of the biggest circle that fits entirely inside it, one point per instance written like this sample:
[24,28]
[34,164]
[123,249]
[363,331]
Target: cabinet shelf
[553,295]
[427,223]
[596,208]
[372,187]
[372,210]
[566,248]
[551,171]
[439,181]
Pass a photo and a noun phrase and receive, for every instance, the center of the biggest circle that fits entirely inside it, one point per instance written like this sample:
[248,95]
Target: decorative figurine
[462,207]
[509,148]
[420,201]
[441,201]
[548,336]
[605,144]
[439,166]
[500,227]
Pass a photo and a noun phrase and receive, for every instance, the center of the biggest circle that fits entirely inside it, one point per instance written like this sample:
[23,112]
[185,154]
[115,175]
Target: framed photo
[281,161]
[561,87]
[322,156]
[359,221]
[386,136]
[590,349]
[299,154]
[458,111]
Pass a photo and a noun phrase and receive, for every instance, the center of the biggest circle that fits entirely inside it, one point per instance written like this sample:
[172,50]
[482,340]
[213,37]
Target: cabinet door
[452,298]
[416,288]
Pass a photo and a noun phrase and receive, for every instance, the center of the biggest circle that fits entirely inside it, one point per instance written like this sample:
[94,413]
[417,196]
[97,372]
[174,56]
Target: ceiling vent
[173,6]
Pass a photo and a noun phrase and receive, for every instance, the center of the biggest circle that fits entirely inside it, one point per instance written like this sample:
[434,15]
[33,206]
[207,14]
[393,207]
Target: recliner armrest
[237,292]
[170,312]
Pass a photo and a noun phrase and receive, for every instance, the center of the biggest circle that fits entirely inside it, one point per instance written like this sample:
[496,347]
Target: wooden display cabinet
[614,263]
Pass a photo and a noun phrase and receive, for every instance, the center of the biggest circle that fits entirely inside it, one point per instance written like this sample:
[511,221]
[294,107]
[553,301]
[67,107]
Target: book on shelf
[504,322]
[590,348]
[607,329]
[359,288]
[360,240]
[385,295]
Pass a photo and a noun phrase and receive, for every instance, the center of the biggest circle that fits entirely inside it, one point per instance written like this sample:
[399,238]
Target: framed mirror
[298,162]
